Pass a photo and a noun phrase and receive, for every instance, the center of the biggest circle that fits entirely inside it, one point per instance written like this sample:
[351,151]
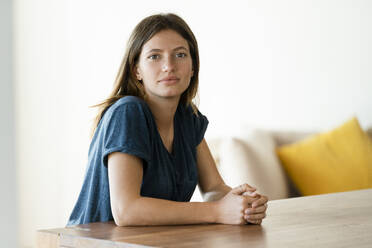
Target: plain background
[8,206]
[285,65]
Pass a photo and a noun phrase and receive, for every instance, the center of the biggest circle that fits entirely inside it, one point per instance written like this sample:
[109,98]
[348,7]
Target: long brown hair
[126,83]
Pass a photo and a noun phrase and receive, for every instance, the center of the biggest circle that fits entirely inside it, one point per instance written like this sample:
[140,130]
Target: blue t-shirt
[128,126]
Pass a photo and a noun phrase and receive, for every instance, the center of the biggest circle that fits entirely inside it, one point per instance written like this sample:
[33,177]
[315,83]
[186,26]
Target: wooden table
[331,220]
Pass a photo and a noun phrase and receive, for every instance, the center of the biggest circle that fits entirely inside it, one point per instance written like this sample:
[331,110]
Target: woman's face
[165,65]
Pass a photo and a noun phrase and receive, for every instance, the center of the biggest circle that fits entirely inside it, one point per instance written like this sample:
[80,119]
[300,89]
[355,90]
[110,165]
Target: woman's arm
[213,187]
[211,184]
[129,208]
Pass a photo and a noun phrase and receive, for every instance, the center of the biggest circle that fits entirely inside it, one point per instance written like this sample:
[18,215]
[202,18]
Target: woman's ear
[137,73]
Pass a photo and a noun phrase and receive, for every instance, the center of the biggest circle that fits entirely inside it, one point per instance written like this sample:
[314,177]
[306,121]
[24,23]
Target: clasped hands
[242,205]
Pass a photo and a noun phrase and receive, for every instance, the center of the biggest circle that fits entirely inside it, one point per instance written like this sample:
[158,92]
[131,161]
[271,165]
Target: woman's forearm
[152,211]
[216,193]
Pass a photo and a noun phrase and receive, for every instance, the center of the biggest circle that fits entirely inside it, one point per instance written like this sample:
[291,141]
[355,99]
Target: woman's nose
[168,65]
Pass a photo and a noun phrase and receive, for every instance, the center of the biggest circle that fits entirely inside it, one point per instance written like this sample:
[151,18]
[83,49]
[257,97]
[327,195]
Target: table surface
[329,220]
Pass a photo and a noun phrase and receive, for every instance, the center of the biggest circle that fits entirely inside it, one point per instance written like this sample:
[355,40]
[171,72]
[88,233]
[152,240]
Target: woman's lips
[170,80]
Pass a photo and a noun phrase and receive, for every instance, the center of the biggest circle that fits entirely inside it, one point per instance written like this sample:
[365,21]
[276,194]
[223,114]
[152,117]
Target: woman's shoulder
[126,106]
[126,102]
[129,100]
[193,124]
[190,111]
[191,115]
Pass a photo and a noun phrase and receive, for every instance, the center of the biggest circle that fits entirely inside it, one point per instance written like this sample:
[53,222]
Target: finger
[255,216]
[242,188]
[251,193]
[259,209]
[248,200]
[255,222]
[260,201]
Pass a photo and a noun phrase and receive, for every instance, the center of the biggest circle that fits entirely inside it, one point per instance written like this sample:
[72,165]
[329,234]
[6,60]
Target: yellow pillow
[336,161]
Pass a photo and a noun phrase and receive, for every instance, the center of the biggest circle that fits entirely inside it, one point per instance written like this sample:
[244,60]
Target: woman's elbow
[123,216]
[122,222]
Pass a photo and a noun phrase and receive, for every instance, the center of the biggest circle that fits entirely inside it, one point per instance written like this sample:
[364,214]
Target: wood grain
[47,240]
[331,220]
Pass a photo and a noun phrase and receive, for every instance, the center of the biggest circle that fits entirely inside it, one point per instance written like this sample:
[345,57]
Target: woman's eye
[154,56]
[181,55]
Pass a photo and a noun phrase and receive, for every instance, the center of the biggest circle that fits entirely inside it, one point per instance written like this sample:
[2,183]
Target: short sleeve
[200,124]
[125,130]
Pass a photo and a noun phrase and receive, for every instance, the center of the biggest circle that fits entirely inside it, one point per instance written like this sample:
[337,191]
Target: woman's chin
[168,93]
[172,94]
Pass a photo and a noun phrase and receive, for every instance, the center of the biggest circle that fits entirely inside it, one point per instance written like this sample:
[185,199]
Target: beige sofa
[250,157]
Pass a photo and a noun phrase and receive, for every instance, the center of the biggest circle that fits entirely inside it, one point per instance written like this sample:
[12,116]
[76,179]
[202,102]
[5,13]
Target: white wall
[271,64]
[8,206]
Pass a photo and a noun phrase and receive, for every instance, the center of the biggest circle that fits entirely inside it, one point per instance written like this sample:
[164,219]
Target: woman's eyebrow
[180,48]
[159,50]
[154,50]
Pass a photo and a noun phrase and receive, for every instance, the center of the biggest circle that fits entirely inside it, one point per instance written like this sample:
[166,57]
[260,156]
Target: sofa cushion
[251,159]
[335,161]
[369,132]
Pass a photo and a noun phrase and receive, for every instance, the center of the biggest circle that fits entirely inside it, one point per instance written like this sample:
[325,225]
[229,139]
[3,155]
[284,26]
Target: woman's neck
[163,111]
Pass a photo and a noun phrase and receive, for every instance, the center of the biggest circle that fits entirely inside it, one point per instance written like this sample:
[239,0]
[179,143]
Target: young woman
[148,150]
